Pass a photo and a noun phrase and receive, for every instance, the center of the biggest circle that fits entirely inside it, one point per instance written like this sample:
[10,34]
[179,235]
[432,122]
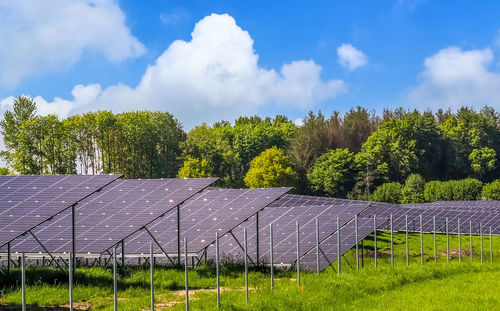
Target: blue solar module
[107,217]
[201,216]
[28,200]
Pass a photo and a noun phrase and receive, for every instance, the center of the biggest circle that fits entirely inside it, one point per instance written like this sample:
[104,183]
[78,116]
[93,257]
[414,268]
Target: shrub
[390,192]
[413,191]
[467,189]
[491,191]
[432,191]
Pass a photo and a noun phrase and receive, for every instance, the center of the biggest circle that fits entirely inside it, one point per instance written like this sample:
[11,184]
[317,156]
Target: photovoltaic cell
[28,200]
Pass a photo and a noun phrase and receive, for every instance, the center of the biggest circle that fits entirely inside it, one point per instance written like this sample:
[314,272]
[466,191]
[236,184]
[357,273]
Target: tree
[413,191]
[391,192]
[491,191]
[194,168]
[4,171]
[412,144]
[357,126]
[333,173]
[23,109]
[270,169]
[466,135]
[313,138]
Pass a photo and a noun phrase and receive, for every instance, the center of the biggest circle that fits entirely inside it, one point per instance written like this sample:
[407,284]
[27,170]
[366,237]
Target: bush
[467,189]
[413,191]
[432,191]
[491,191]
[391,192]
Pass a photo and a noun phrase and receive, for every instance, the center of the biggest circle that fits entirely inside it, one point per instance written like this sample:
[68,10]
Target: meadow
[437,285]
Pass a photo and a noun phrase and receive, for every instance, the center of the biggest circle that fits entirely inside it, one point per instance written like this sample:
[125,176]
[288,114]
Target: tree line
[341,155]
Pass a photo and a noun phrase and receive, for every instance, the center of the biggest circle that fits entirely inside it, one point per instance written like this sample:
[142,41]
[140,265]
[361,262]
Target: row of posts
[317,249]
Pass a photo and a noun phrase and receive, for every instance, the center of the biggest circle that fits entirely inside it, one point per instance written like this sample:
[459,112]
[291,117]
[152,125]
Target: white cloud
[214,76]
[174,17]
[454,78]
[41,36]
[350,57]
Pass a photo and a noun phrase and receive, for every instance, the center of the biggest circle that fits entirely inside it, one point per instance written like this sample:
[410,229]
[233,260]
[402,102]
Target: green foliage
[270,169]
[482,160]
[491,191]
[467,189]
[4,171]
[466,135]
[413,191]
[458,190]
[433,191]
[229,149]
[194,168]
[400,147]
[333,173]
[391,192]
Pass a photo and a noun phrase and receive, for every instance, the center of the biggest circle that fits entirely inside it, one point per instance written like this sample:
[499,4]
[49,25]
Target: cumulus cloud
[350,57]
[454,78]
[40,36]
[215,75]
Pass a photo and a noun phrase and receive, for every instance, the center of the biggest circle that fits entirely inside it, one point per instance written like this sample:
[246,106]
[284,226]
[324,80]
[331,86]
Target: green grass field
[433,286]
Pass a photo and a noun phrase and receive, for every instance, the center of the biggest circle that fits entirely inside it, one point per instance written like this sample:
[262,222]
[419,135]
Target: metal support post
[123,252]
[459,242]
[272,254]
[70,282]
[257,261]
[23,281]
[447,241]
[115,283]
[339,261]
[421,241]
[435,246]
[217,266]
[407,249]
[392,242]
[470,239]
[481,238]
[317,246]
[152,275]
[298,251]
[186,270]
[356,240]
[375,236]
[491,248]
[245,250]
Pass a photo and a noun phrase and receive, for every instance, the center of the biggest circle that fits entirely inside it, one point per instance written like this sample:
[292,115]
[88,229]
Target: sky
[205,61]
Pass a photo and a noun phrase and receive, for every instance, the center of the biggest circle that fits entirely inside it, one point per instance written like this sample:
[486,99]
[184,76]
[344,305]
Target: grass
[433,286]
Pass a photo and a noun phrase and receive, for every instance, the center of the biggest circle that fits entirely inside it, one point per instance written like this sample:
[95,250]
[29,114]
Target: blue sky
[414,53]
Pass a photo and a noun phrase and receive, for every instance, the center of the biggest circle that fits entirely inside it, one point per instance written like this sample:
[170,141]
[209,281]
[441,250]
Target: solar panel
[28,200]
[201,216]
[119,210]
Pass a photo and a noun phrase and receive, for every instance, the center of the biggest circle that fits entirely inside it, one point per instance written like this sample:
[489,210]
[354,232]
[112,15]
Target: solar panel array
[119,210]
[28,200]
[284,213]
[140,211]
[214,210]
[479,213]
